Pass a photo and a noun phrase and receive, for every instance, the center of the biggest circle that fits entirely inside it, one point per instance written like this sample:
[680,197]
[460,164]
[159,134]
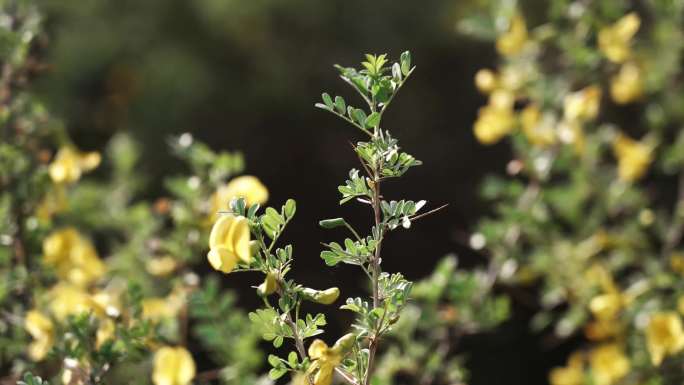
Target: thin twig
[674,234]
[418,216]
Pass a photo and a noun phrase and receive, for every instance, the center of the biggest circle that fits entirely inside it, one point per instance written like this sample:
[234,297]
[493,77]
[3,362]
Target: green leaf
[327,100]
[278,342]
[276,373]
[359,116]
[332,223]
[373,120]
[292,359]
[290,208]
[405,60]
[274,360]
[340,104]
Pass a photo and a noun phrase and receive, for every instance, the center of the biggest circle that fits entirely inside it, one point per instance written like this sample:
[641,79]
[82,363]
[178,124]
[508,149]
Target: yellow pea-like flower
[73,257]
[677,263]
[606,306]
[66,299]
[495,120]
[633,157]
[105,332]
[537,130]
[173,366]
[269,286]
[680,304]
[513,40]
[40,327]
[158,308]
[326,359]
[608,364]
[69,164]
[161,266]
[664,336]
[246,186]
[627,85]
[582,105]
[229,242]
[485,80]
[571,132]
[571,374]
[614,41]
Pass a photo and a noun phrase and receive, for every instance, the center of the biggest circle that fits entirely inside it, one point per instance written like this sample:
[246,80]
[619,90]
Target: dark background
[243,75]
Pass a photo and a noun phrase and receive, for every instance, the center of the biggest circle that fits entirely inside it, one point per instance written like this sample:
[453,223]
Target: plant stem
[375,270]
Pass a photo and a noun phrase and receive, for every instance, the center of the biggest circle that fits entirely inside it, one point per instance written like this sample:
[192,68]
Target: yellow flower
[107,302]
[677,263]
[664,336]
[325,359]
[173,366]
[155,309]
[572,374]
[41,329]
[105,332]
[247,186]
[633,158]
[485,80]
[582,105]
[161,266]
[513,40]
[608,364]
[493,124]
[66,299]
[269,286]
[538,131]
[606,306]
[73,257]
[69,164]
[614,41]
[495,120]
[229,242]
[680,304]
[627,85]
[570,132]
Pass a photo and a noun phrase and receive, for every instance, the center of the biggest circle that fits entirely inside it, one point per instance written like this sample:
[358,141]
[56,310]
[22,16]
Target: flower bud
[344,344]
[325,297]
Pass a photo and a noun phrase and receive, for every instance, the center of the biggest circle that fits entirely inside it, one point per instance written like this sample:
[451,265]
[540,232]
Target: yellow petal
[40,327]
[90,160]
[186,366]
[220,230]
[222,259]
[485,80]
[105,332]
[248,187]
[240,238]
[269,286]
[318,349]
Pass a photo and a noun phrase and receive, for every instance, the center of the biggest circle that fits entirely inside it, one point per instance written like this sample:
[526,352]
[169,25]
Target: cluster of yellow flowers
[544,128]
[75,262]
[78,266]
[608,361]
